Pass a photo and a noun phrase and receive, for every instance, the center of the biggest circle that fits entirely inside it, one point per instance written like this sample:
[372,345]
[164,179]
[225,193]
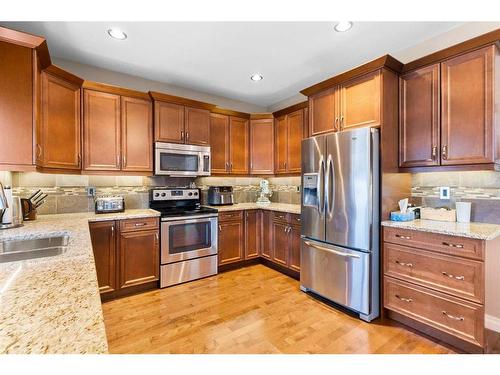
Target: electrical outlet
[444,192]
[297,189]
[90,191]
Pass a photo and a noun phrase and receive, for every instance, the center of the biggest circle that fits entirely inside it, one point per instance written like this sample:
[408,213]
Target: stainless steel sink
[14,250]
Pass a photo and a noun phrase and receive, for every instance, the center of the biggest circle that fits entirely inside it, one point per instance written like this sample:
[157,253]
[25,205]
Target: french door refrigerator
[340,219]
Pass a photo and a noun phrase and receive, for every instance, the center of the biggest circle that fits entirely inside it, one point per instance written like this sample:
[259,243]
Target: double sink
[16,250]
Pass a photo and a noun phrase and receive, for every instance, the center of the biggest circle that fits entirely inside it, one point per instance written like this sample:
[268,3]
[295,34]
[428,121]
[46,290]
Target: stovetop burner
[171,212]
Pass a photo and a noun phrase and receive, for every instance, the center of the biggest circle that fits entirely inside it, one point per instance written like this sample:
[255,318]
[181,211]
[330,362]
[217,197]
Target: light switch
[444,192]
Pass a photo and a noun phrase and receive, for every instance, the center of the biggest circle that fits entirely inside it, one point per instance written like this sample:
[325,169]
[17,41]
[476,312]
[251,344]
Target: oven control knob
[195,193]
[190,194]
[157,194]
[163,194]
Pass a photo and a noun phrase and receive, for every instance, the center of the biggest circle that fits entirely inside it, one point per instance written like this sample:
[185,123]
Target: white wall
[93,73]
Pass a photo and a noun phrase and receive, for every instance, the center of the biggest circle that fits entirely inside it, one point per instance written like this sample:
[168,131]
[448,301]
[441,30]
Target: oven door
[191,238]
[182,160]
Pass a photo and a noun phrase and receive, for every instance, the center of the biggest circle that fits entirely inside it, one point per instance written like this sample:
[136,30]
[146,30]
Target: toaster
[220,195]
[109,204]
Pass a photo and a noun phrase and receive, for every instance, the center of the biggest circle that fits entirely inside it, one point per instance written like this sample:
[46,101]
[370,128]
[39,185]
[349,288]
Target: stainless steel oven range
[188,235]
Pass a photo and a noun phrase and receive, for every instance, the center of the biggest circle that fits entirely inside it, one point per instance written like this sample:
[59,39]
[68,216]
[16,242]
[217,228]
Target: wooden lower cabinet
[125,258]
[267,245]
[139,258]
[294,253]
[231,239]
[103,235]
[280,243]
[253,219]
[436,283]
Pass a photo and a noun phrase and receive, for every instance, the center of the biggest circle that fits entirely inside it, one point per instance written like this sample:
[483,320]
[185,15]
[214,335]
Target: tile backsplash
[246,189]
[481,188]
[67,193]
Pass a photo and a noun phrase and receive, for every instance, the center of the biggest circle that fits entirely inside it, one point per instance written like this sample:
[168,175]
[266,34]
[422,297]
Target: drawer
[230,215]
[452,315]
[145,223]
[281,216]
[295,219]
[461,277]
[453,245]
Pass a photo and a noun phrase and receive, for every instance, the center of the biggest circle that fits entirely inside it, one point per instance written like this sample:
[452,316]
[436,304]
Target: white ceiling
[219,57]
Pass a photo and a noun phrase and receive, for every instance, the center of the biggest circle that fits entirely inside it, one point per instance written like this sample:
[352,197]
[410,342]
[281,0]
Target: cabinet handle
[113,231]
[453,276]
[227,166]
[434,152]
[403,237]
[284,164]
[336,124]
[182,134]
[458,246]
[444,152]
[140,224]
[341,121]
[118,160]
[124,160]
[231,166]
[38,150]
[79,159]
[460,318]
[220,228]
[187,136]
[404,264]
[403,298]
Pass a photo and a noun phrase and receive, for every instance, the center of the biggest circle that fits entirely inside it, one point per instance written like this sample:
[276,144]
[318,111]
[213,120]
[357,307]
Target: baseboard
[492,323]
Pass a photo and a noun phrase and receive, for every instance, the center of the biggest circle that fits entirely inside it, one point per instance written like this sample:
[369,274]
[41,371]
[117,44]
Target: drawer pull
[452,276]
[220,228]
[404,264]
[404,299]
[453,317]
[403,237]
[458,246]
[140,224]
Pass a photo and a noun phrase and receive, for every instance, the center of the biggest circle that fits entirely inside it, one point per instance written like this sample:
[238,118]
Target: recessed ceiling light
[117,34]
[343,26]
[256,77]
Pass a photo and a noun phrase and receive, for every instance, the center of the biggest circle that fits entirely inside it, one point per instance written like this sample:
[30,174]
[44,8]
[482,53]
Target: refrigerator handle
[330,178]
[321,185]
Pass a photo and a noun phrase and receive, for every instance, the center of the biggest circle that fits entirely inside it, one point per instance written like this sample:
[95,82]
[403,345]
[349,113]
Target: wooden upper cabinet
[197,126]
[16,107]
[322,112]
[101,131]
[59,143]
[281,144]
[262,146]
[360,102]
[219,143]
[419,117]
[136,135]
[239,152]
[169,122]
[467,102]
[295,125]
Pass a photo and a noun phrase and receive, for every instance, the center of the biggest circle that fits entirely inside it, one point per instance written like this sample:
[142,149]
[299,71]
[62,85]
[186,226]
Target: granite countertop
[282,207]
[480,231]
[52,305]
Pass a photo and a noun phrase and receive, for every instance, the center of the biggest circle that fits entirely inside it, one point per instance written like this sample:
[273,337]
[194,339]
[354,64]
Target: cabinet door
[294,249]
[419,117]
[239,145]
[137,135]
[169,122]
[267,244]
[280,243]
[322,112]
[262,146]
[60,129]
[231,242]
[139,258]
[16,107]
[252,233]
[197,125]
[281,140]
[295,125]
[219,143]
[467,108]
[360,102]
[103,238]
[101,131]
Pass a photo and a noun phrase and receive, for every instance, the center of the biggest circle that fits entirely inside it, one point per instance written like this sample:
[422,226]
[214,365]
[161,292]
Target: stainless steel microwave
[178,160]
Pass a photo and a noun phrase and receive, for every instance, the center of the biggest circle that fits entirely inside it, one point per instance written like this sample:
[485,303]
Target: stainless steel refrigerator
[340,219]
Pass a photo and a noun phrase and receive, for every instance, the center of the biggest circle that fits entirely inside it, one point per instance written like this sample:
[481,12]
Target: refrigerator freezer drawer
[338,274]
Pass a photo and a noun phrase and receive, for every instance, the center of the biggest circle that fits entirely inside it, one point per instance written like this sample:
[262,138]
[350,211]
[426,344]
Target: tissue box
[402,216]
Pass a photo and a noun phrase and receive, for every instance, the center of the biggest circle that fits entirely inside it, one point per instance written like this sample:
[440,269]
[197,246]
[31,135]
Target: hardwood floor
[249,310]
